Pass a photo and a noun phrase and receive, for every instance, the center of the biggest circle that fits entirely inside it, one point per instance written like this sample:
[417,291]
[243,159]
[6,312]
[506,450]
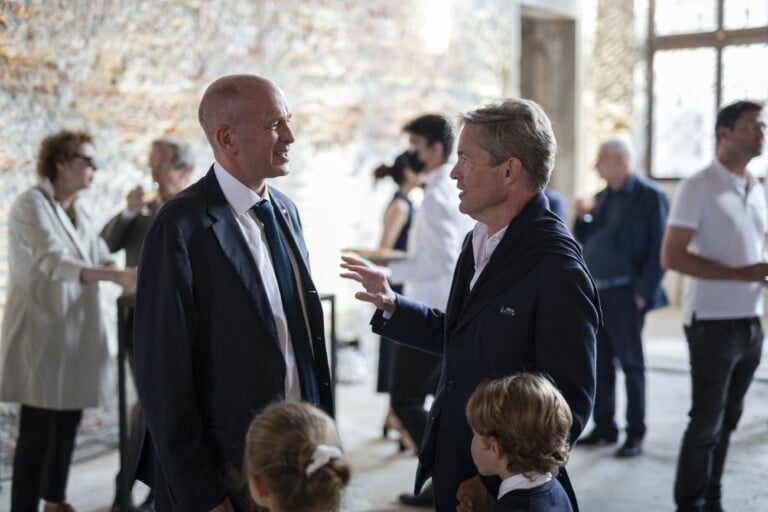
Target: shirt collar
[521,481]
[46,186]
[484,245]
[628,186]
[239,197]
[730,178]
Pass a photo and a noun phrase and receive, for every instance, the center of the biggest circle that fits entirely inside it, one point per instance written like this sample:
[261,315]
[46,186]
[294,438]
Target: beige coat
[53,350]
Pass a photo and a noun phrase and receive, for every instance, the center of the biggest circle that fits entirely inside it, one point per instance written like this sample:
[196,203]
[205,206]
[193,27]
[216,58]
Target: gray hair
[517,128]
[182,154]
[623,146]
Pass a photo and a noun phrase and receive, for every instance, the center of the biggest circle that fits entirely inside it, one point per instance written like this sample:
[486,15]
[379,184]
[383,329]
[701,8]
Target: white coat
[53,350]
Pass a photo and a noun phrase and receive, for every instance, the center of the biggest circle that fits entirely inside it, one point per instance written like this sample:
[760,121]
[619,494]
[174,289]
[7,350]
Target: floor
[602,482]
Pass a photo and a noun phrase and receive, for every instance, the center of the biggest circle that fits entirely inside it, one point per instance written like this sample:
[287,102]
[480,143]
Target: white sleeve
[434,245]
[687,206]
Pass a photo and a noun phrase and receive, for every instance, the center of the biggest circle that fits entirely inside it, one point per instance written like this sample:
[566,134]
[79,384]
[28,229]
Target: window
[703,54]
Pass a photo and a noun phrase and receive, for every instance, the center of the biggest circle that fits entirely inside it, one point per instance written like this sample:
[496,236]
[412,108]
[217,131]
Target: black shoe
[597,437]
[426,498]
[713,506]
[632,447]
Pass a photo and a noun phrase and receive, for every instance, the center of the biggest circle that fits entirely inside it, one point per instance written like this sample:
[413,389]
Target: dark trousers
[415,375]
[724,356]
[620,343]
[42,457]
[137,427]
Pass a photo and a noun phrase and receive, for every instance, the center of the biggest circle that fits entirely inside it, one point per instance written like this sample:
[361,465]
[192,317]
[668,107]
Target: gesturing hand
[374,281]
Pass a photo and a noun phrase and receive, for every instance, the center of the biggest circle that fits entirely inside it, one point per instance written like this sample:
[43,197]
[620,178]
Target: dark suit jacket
[207,351]
[550,497]
[534,307]
[556,202]
[128,234]
[638,238]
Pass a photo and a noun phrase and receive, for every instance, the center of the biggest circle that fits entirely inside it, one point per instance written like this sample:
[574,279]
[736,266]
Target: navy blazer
[206,346]
[534,307]
[638,237]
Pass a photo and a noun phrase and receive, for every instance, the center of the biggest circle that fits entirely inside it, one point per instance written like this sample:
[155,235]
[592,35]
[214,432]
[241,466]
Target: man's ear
[224,138]
[514,169]
[259,491]
[722,132]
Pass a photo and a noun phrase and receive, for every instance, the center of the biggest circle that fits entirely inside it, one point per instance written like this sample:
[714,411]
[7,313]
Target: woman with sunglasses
[54,359]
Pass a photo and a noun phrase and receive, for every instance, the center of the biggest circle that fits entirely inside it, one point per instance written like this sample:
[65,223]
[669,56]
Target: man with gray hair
[621,235]
[170,162]
[522,297]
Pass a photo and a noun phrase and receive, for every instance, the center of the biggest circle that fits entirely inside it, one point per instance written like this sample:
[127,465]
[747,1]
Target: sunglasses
[89,161]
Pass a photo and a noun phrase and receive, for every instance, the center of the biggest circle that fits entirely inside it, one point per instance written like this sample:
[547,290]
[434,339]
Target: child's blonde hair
[281,449]
[528,417]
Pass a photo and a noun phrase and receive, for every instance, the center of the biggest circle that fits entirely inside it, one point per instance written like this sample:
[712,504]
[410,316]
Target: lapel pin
[506,310]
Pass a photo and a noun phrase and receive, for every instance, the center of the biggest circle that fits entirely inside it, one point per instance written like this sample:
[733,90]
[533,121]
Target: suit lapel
[64,221]
[460,286]
[514,257]
[306,285]
[235,249]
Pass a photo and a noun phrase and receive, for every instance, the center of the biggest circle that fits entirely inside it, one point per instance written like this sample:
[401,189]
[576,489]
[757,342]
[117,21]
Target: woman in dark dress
[405,171]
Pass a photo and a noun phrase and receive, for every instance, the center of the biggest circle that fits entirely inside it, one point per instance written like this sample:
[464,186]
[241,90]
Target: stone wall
[129,71]
[353,72]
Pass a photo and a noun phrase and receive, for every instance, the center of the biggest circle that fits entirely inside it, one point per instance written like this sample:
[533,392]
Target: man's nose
[286,134]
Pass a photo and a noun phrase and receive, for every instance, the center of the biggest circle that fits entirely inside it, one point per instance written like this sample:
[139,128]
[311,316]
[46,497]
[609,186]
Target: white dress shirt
[483,247]
[434,242]
[242,199]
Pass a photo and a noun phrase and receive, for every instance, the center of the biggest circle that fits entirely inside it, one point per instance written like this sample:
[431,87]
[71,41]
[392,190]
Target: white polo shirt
[730,220]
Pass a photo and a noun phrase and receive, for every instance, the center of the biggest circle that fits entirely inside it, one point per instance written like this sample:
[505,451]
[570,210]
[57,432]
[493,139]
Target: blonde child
[293,459]
[521,425]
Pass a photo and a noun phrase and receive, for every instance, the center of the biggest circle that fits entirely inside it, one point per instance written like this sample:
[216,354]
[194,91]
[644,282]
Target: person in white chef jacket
[54,359]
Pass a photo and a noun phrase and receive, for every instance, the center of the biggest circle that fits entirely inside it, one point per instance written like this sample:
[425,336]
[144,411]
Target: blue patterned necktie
[286,280]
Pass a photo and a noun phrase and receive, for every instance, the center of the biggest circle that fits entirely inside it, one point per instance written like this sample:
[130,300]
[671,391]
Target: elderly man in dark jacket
[521,299]
[621,237]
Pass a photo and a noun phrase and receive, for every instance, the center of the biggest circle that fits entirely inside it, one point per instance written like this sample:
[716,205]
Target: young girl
[293,459]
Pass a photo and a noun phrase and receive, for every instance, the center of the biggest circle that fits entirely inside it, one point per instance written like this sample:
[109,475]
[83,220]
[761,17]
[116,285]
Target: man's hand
[373,279]
[639,302]
[135,200]
[757,272]
[583,207]
[225,506]
[473,496]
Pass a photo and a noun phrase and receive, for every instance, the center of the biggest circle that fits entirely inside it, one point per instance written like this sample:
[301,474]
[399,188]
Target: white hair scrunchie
[322,456]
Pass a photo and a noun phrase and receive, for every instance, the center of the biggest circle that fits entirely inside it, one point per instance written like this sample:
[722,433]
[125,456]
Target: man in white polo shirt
[715,236]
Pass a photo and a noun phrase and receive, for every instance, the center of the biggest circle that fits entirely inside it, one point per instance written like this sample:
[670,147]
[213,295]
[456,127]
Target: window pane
[683,16]
[745,13]
[745,72]
[745,76]
[683,111]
